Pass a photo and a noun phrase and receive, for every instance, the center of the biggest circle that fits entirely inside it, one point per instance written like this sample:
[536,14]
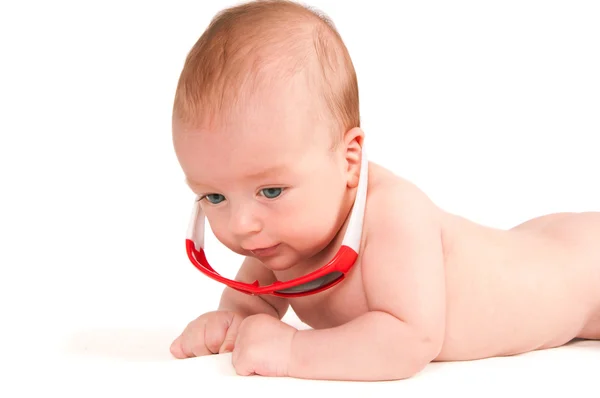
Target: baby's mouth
[265,251]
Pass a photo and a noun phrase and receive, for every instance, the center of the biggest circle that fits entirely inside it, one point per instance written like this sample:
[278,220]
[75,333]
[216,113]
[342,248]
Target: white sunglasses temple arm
[355,225]
[195,231]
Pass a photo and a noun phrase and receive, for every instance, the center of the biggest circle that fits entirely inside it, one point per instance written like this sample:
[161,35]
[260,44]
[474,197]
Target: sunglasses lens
[318,283]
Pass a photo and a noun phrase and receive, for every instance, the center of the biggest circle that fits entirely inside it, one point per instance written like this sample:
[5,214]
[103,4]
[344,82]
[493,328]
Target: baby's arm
[245,304]
[404,282]
[216,331]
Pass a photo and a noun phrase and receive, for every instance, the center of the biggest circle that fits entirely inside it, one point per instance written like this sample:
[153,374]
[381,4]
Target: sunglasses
[317,281]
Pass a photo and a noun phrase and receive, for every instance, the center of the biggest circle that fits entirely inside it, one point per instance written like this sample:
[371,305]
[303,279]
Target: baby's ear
[353,142]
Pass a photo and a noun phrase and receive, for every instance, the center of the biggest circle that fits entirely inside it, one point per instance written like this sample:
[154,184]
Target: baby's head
[266,129]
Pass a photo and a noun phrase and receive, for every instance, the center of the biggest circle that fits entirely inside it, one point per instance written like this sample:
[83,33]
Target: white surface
[122,362]
[94,281]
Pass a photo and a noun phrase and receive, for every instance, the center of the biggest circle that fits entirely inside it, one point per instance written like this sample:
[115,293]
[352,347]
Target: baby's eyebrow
[252,175]
[269,171]
[192,185]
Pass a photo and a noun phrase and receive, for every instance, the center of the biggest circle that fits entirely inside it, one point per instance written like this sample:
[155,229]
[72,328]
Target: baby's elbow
[431,344]
[430,350]
[423,357]
[424,349]
[434,342]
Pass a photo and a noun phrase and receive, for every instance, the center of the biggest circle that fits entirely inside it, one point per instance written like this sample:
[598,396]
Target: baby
[266,129]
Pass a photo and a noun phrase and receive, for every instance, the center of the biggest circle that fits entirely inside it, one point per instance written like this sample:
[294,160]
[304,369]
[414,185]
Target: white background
[492,108]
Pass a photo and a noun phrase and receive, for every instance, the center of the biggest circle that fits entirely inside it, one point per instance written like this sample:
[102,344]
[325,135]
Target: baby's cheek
[309,232]
[219,230]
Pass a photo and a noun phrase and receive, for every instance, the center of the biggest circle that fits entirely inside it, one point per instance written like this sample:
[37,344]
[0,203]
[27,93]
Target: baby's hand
[263,347]
[211,333]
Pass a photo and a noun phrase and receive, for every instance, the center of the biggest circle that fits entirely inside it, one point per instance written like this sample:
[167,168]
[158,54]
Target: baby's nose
[244,222]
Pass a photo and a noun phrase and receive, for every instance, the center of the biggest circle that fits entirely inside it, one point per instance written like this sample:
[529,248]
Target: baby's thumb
[231,335]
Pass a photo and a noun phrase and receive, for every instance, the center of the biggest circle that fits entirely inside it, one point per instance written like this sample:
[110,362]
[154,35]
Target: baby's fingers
[206,335]
[191,342]
[186,346]
[232,331]
[177,349]
[215,331]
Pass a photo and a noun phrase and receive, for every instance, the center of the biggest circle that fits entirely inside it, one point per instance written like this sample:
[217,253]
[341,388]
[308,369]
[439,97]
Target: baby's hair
[248,46]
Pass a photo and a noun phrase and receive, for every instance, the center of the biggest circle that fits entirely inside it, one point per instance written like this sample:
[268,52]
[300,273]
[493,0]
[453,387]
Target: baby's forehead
[244,173]
[213,161]
[278,120]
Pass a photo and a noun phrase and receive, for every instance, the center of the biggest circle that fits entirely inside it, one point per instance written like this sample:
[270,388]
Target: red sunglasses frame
[342,262]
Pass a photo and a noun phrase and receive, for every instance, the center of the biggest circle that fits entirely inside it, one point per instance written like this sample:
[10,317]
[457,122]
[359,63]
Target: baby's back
[534,286]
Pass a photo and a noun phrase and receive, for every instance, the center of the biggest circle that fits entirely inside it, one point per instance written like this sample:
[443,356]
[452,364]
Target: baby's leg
[587,237]
[581,233]
[592,329]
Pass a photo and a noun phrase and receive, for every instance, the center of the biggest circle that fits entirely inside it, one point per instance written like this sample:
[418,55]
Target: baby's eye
[271,193]
[214,198]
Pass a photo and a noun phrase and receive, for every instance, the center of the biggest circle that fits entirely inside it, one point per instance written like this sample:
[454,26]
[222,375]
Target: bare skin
[487,292]
[427,286]
[535,286]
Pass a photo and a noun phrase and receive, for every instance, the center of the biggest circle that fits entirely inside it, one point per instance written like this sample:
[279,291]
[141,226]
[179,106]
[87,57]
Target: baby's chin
[289,264]
[283,259]
[278,263]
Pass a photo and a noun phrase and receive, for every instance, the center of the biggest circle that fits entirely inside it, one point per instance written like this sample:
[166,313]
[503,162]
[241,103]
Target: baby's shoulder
[391,196]
[388,189]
